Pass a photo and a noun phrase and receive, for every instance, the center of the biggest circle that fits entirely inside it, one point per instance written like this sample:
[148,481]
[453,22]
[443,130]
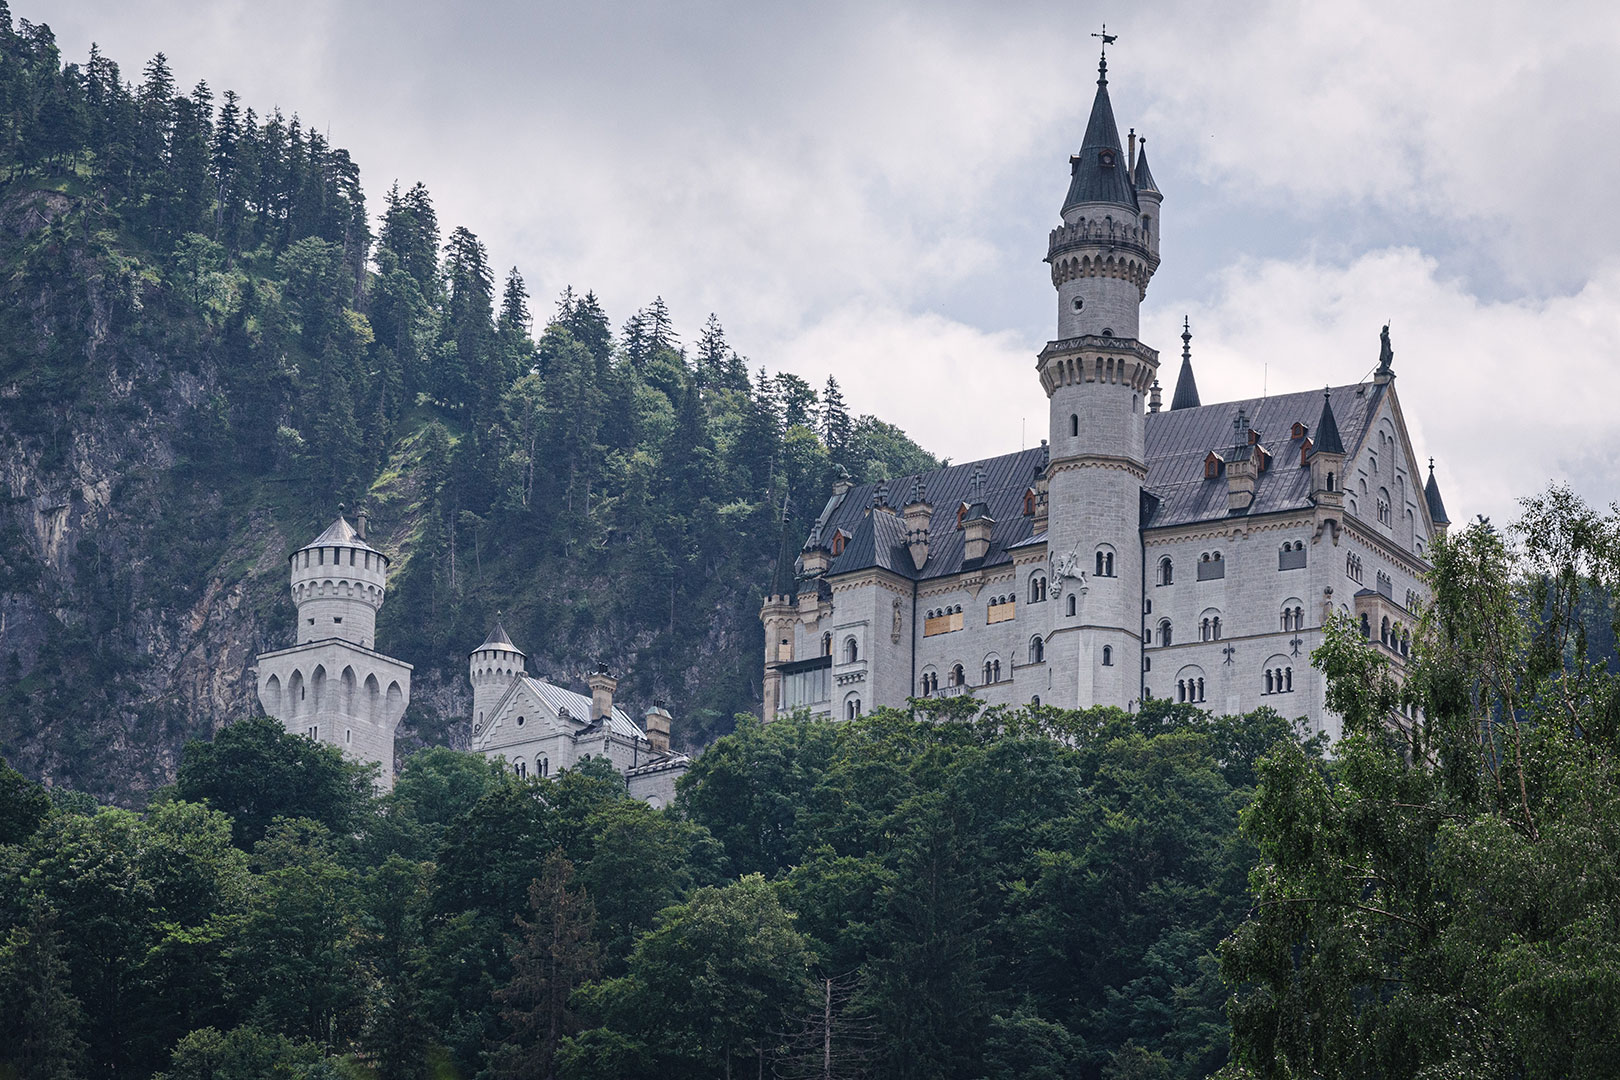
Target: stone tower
[491,667]
[333,685]
[1097,376]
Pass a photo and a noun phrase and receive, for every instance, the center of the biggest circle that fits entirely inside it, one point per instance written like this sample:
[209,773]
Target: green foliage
[1439,899]
[23,805]
[246,1053]
[256,771]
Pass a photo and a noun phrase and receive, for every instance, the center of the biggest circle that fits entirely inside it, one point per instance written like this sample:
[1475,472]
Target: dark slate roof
[878,536]
[1431,495]
[787,554]
[1144,175]
[1178,442]
[1326,438]
[341,534]
[1186,396]
[1091,180]
[498,639]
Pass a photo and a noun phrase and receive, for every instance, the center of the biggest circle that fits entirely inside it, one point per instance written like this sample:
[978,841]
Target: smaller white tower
[333,686]
[491,667]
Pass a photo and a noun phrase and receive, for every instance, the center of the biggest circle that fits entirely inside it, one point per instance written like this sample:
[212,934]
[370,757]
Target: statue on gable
[1386,355]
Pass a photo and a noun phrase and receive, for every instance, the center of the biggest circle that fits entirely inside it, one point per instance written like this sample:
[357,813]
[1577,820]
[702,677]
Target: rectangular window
[1003,612]
[942,624]
[337,618]
[1211,569]
[1291,560]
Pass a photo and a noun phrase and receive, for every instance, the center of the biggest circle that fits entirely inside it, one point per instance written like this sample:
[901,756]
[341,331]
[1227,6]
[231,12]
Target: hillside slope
[204,352]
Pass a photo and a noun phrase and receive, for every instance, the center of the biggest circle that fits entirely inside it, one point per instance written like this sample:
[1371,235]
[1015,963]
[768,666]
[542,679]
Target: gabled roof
[1179,441]
[1431,495]
[1176,491]
[878,536]
[1098,173]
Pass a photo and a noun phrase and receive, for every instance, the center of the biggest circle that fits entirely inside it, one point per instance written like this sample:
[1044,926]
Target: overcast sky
[866,189]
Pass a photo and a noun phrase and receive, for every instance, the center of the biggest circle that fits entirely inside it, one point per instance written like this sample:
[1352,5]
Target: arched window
[1035,701]
[852,708]
[1383,631]
[1181,690]
[1037,651]
[986,680]
[852,651]
[1203,629]
[521,769]
[544,767]
[1269,689]
[1366,628]
[958,676]
[1166,571]
[826,643]
[840,538]
[1108,656]
[1105,562]
[1029,502]
[1074,424]
[1164,632]
[1037,588]
[1331,481]
[1071,604]
[1099,564]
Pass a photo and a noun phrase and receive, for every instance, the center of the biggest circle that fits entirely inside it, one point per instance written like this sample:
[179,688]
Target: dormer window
[1029,502]
[1298,431]
[1106,159]
[839,540]
[1212,466]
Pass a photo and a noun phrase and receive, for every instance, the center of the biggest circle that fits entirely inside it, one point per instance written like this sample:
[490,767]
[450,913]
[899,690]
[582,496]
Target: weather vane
[1107,38]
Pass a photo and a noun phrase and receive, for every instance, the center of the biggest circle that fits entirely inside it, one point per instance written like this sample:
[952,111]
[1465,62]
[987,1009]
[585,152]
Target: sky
[865,189]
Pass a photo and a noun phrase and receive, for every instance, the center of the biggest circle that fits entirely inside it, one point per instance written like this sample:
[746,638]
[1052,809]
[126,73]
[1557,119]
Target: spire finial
[1102,65]
[1431,466]
[1186,338]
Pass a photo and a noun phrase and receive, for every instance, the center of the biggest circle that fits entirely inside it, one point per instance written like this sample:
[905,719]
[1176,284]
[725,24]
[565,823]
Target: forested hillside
[206,347]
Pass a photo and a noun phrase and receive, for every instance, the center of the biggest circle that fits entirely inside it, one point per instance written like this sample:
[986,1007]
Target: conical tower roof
[1186,395]
[1098,173]
[1327,440]
[339,534]
[1144,175]
[498,639]
[1431,495]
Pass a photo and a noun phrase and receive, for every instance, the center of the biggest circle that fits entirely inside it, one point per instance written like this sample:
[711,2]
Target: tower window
[1037,651]
[337,618]
[1079,303]
[1108,656]
[1072,605]
[852,651]
[1074,424]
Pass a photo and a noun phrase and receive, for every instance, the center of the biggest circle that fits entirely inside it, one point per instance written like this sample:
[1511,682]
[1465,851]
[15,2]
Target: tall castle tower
[333,685]
[1097,375]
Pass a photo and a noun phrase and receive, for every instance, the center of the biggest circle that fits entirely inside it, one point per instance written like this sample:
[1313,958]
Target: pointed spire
[784,582]
[1144,175]
[1100,172]
[1186,396]
[1326,440]
[497,638]
[1431,495]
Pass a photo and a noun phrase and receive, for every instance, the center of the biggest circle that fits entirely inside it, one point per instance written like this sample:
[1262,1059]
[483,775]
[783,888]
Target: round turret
[491,668]
[338,583]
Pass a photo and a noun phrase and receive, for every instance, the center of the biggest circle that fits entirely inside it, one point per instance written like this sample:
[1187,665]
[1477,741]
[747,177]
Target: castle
[1190,553]
[333,686]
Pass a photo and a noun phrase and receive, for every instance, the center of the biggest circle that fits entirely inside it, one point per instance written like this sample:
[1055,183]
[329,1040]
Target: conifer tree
[39,1012]
[711,354]
[835,424]
[552,955]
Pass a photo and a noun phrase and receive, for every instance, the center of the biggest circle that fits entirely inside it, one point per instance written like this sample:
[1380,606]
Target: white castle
[334,687]
[1191,553]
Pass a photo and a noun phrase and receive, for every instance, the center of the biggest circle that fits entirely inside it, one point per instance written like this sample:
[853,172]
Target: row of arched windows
[1209,628]
[1280,680]
[1392,636]
[1190,690]
[1105,563]
[1352,566]
[542,767]
[1293,618]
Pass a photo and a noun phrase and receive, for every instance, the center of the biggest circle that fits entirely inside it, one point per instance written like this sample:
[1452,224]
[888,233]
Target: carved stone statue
[1386,355]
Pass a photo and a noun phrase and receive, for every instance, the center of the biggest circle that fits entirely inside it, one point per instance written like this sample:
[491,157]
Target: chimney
[657,723]
[1155,397]
[360,523]
[602,686]
[1240,474]
[1131,172]
[976,532]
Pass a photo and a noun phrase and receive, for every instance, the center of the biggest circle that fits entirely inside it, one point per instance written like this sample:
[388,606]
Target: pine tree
[41,1016]
[711,354]
[835,423]
[551,956]
[515,303]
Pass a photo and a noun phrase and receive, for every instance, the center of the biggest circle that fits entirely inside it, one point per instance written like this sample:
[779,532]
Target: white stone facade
[333,686]
[1049,584]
